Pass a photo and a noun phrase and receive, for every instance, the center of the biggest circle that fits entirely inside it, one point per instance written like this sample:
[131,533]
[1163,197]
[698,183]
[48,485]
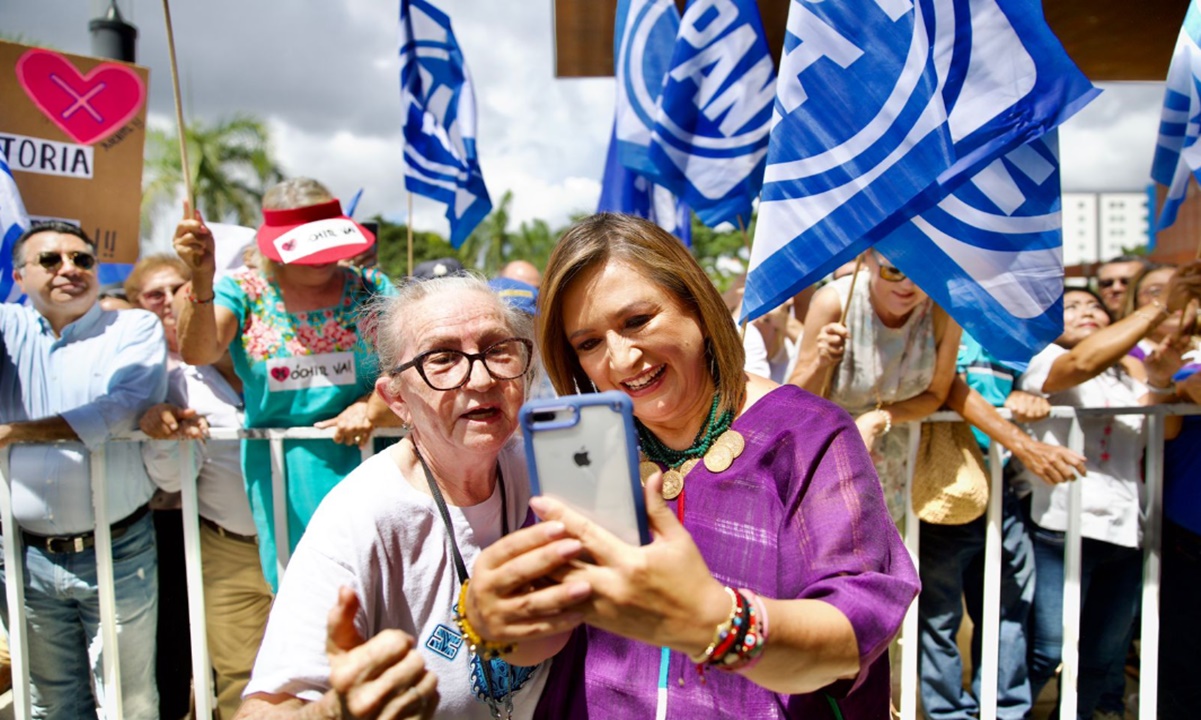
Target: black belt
[251,539]
[78,543]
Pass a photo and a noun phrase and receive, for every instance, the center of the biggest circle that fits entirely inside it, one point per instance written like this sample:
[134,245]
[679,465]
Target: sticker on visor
[317,236]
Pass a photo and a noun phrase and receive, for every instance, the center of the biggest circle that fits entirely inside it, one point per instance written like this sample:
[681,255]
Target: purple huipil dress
[800,514]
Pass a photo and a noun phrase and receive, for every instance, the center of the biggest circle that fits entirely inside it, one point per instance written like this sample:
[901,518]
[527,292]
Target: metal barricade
[202,677]
[205,699]
[990,632]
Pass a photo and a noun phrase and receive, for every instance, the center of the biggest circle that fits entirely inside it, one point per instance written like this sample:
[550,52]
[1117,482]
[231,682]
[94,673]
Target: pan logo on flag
[705,103]
[879,53]
[651,27]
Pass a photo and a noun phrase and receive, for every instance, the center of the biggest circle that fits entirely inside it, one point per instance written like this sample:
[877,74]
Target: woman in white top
[390,546]
[1088,366]
[892,362]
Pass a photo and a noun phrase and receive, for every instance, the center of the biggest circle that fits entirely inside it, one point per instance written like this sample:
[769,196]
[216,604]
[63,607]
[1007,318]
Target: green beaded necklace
[714,426]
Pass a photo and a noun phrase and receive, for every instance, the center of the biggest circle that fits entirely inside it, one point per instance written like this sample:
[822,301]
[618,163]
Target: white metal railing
[990,632]
[205,700]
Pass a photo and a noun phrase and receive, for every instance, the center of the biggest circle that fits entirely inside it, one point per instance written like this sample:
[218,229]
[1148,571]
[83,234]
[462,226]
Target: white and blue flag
[709,141]
[991,252]
[1003,80]
[859,129]
[625,191]
[1004,77]
[1177,155]
[644,36]
[13,222]
[439,125]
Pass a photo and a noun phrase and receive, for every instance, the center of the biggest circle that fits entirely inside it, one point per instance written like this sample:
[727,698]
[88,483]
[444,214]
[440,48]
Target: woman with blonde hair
[290,326]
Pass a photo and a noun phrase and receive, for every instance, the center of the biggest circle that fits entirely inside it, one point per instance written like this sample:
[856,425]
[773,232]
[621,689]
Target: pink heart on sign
[88,107]
[280,373]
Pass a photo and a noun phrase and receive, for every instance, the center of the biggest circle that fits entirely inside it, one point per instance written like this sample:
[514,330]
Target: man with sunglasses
[1113,280]
[71,376]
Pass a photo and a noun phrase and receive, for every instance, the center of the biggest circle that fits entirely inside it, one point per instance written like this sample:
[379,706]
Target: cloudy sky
[324,75]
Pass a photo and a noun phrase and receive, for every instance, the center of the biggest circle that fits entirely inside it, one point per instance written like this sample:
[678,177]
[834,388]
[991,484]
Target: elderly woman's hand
[170,422]
[352,426]
[1052,463]
[831,343]
[510,600]
[384,677]
[661,593]
[194,244]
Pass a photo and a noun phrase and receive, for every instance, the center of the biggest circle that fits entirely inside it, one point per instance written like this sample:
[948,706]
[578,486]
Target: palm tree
[231,166]
[485,248]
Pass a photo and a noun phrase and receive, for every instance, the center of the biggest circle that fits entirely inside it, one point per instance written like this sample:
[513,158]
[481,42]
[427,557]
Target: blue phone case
[589,459]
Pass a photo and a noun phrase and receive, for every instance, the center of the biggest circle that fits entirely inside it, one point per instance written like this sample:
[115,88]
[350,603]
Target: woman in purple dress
[775,580]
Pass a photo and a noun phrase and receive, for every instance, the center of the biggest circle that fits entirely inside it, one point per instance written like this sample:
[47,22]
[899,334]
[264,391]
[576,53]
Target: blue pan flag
[13,222]
[1177,155]
[439,123]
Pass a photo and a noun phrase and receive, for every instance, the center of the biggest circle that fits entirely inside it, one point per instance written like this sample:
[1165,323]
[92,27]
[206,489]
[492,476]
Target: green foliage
[392,242]
[723,254]
[231,166]
[491,245]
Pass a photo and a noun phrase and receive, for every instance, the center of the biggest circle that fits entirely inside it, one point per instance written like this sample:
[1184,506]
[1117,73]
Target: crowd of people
[427,582]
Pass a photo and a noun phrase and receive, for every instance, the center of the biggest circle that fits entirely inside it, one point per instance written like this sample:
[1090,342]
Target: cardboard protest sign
[73,128]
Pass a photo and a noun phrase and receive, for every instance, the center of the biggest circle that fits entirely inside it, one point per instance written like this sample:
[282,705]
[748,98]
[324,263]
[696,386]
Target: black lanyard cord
[460,566]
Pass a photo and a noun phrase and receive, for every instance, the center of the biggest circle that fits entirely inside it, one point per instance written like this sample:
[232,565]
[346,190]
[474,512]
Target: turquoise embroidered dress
[297,369]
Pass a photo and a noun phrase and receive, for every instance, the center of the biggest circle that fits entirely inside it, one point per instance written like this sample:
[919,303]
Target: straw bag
[950,484]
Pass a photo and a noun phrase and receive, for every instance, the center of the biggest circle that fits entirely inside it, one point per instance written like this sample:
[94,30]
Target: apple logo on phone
[581,458]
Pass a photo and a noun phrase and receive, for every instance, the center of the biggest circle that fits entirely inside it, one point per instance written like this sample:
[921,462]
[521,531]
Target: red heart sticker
[89,107]
[280,373]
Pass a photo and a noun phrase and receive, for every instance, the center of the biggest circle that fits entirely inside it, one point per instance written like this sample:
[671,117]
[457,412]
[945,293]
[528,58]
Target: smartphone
[583,450]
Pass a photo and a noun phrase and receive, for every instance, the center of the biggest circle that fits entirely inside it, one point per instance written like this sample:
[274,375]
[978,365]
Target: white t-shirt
[778,368]
[1113,450]
[220,489]
[379,535]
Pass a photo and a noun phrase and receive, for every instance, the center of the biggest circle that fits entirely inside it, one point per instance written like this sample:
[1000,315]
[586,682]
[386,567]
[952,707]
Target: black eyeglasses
[450,369]
[1109,282]
[891,273]
[52,261]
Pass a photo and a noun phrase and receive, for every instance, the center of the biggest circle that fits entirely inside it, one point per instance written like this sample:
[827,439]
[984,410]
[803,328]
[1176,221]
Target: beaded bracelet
[722,632]
[476,644]
[887,420]
[192,299]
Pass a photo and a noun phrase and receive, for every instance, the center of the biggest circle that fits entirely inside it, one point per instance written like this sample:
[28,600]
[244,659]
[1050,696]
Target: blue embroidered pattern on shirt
[445,641]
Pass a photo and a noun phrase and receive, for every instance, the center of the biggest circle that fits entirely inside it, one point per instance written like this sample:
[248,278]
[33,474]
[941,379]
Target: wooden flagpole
[746,240]
[183,142]
[409,228]
[201,676]
[842,320]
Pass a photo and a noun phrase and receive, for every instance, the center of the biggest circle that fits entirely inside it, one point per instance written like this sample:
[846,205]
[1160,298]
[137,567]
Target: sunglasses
[890,273]
[1109,282]
[52,261]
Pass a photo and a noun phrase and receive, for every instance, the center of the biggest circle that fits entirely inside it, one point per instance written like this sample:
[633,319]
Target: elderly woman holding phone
[774,582]
[391,546]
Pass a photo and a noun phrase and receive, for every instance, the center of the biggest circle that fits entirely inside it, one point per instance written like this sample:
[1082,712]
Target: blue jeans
[62,612]
[952,567]
[1109,593]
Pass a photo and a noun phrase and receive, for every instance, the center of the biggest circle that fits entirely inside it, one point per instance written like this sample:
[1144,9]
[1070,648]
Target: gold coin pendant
[673,484]
[646,468]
